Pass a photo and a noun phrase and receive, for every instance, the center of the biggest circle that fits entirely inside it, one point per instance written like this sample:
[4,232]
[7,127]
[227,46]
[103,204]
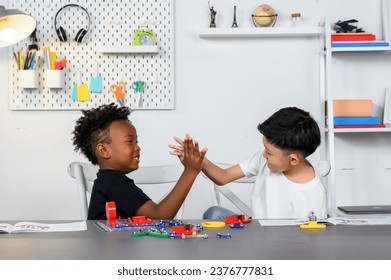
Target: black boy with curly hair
[94,128]
[107,138]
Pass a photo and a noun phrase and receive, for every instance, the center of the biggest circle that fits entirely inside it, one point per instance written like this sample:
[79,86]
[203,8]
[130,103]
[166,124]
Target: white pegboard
[112,25]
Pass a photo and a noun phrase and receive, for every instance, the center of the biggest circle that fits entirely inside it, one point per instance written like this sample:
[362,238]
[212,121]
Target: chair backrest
[225,190]
[322,168]
[85,175]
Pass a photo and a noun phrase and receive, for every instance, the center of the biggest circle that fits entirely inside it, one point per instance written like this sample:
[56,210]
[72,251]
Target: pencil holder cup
[54,79]
[28,79]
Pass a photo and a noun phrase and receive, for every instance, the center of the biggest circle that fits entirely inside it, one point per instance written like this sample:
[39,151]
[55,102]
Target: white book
[42,227]
[387,107]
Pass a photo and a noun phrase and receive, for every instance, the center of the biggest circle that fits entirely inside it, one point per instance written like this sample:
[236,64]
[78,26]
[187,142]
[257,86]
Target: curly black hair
[93,128]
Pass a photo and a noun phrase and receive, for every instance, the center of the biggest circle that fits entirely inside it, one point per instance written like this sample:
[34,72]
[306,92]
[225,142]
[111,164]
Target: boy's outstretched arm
[192,161]
[218,175]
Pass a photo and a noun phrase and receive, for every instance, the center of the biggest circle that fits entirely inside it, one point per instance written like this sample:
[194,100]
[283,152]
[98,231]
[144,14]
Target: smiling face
[124,152]
[277,159]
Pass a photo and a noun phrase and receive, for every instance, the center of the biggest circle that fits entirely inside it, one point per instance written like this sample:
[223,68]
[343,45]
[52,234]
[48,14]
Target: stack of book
[364,39]
[354,113]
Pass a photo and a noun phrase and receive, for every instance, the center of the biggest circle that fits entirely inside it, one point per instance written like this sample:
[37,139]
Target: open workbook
[42,227]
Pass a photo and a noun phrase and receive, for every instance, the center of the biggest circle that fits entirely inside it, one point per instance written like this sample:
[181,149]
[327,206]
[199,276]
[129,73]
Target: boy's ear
[294,159]
[103,150]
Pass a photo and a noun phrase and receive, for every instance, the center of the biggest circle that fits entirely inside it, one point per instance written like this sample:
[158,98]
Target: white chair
[322,168]
[146,177]
[227,193]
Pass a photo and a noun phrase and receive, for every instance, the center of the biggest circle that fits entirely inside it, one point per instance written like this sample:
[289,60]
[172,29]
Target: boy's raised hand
[186,148]
[177,150]
[192,156]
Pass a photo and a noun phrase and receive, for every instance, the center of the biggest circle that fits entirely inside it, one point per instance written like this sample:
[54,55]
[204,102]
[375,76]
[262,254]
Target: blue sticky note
[74,92]
[96,84]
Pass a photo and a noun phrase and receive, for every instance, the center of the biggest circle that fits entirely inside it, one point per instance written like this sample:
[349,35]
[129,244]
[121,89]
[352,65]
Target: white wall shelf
[327,82]
[260,32]
[128,49]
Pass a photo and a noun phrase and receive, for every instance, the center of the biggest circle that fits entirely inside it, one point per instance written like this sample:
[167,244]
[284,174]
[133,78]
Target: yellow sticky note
[83,94]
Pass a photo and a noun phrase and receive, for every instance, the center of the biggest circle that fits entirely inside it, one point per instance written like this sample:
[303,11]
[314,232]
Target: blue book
[356,120]
[360,44]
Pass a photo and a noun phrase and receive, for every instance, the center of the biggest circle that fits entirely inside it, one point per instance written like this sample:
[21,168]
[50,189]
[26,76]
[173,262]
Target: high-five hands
[188,152]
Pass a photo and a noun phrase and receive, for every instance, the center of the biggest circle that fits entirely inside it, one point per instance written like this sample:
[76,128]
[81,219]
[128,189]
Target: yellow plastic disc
[213,224]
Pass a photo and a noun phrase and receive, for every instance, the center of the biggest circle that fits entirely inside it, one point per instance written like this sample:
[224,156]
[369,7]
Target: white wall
[224,88]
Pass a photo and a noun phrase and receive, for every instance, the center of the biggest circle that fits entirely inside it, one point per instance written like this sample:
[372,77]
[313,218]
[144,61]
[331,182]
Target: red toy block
[139,220]
[111,213]
[237,219]
[183,229]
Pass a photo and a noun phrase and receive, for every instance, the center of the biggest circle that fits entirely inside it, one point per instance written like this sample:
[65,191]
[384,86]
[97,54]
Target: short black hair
[292,129]
[93,128]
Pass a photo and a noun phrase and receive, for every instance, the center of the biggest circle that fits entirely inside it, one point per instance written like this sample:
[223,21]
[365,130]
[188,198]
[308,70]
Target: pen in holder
[28,79]
[54,78]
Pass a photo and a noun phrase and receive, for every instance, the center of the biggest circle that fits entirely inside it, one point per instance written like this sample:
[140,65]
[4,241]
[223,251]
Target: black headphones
[61,32]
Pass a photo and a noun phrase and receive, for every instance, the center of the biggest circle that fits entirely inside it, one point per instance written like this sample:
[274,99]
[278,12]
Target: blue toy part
[223,235]
[236,226]
[198,228]
[174,235]
[163,223]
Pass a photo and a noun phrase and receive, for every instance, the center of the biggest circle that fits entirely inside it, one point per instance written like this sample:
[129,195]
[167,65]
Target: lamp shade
[14,26]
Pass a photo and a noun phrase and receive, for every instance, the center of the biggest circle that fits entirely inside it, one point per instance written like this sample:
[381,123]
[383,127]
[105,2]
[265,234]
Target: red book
[337,37]
[361,126]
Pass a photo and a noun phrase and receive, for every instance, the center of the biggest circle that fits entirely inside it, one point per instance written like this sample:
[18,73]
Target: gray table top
[251,243]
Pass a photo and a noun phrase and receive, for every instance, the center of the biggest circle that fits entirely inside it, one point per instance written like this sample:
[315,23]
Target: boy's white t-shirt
[276,197]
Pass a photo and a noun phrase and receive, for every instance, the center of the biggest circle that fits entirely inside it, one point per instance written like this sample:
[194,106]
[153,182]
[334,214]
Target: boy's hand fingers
[188,146]
[175,147]
[176,153]
[178,140]
[191,146]
[196,147]
[203,153]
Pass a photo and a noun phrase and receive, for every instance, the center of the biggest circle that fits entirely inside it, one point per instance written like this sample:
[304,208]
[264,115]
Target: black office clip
[347,26]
